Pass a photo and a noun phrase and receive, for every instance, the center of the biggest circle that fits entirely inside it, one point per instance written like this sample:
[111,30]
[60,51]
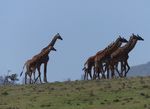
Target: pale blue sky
[87,26]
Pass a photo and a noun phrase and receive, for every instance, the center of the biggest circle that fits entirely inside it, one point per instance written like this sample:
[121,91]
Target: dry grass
[130,93]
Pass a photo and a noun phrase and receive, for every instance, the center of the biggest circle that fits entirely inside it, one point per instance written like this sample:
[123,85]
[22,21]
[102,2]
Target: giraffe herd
[107,61]
[98,66]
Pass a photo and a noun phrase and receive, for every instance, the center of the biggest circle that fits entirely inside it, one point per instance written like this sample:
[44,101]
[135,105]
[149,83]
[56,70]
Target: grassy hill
[129,93]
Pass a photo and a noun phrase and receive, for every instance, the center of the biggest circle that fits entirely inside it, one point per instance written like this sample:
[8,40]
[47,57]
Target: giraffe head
[122,39]
[137,37]
[58,36]
[140,38]
[52,48]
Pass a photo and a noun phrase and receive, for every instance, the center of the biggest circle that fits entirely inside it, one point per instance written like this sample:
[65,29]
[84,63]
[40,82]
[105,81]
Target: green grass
[130,93]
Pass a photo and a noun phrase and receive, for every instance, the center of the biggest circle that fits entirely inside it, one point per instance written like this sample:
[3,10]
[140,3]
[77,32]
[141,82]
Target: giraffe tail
[22,70]
[85,65]
[21,73]
[83,68]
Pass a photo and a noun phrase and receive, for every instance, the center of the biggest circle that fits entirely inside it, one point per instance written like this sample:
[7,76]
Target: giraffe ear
[132,34]
[57,34]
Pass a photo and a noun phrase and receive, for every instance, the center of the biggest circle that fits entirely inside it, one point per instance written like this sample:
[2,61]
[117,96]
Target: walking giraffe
[33,64]
[87,70]
[122,54]
[45,59]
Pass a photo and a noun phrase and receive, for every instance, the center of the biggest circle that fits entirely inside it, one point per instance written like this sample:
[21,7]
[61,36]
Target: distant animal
[122,54]
[45,59]
[34,63]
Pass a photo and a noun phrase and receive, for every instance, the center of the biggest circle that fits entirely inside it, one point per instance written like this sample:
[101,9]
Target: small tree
[1,80]
[10,79]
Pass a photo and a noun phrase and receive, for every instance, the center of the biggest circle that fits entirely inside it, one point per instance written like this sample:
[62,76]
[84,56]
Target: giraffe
[34,63]
[104,56]
[45,59]
[114,62]
[91,60]
[41,56]
[29,70]
[87,70]
[89,64]
[122,54]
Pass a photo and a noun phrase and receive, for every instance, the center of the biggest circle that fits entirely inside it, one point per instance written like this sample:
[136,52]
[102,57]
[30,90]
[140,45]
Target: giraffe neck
[45,53]
[114,46]
[53,41]
[126,47]
[132,45]
[50,44]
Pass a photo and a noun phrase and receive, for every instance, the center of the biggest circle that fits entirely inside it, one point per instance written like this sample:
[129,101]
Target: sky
[87,26]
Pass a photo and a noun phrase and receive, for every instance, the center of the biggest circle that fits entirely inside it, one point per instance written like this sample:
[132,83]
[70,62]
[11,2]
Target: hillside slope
[129,93]
[140,70]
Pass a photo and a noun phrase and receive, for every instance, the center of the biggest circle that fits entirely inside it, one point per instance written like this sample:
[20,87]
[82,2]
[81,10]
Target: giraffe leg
[107,73]
[112,71]
[128,68]
[90,74]
[39,74]
[94,74]
[35,79]
[30,76]
[122,69]
[106,69]
[101,69]
[34,76]
[84,75]
[118,72]
[96,70]
[97,73]
[25,77]
[45,71]
[30,79]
